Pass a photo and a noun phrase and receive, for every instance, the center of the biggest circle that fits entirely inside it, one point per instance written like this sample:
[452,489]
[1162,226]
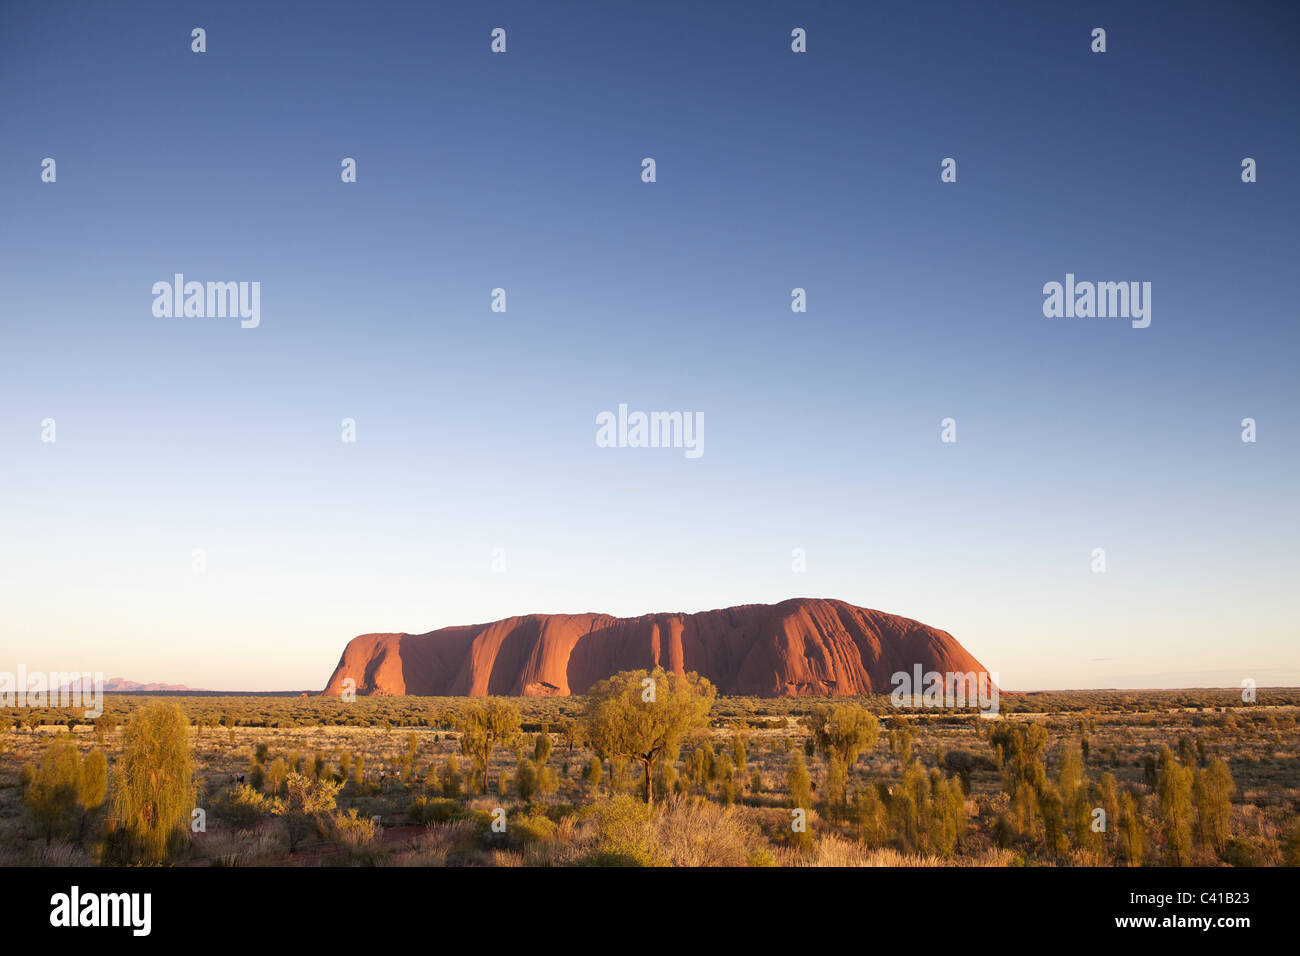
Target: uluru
[799,647]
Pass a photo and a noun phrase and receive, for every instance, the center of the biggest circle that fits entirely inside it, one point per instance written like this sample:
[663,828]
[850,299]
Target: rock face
[800,647]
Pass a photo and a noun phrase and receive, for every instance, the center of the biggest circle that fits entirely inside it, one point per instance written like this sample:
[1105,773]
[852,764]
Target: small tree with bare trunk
[641,714]
[485,726]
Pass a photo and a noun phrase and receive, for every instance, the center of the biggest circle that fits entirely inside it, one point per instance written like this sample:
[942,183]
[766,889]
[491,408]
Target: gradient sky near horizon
[476,430]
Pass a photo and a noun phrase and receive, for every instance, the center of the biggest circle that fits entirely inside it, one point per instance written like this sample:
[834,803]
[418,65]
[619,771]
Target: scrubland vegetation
[658,773]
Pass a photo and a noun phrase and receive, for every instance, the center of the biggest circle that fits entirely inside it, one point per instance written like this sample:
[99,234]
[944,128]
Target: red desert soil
[804,646]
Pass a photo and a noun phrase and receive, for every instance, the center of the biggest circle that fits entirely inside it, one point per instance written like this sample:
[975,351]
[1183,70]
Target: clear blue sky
[476,430]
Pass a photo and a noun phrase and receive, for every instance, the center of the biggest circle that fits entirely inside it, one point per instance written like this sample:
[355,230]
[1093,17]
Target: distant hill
[800,647]
[120,685]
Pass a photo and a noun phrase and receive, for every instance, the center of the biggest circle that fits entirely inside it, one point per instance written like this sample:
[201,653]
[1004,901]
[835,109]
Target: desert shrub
[241,847]
[870,818]
[699,765]
[51,795]
[836,788]
[427,810]
[798,783]
[276,774]
[92,785]
[727,779]
[738,753]
[542,748]
[927,812]
[246,805]
[947,823]
[104,724]
[1070,778]
[622,833]
[353,831]
[1212,789]
[966,762]
[306,807]
[529,828]
[1131,832]
[451,779]
[900,743]
[1175,789]
[526,780]
[1241,852]
[689,831]
[154,790]
[1291,844]
[548,781]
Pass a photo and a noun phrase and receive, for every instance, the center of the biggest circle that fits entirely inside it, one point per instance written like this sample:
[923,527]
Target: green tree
[1054,819]
[843,731]
[526,780]
[451,779]
[1212,789]
[51,797]
[837,779]
[900,743]
[1175,790]
[542,748]
[909,807]
[1130,830]
[738,753]
[948,817]
[154,792]
[1108,800]
[1070,778]
[276,774]
[570,731]
[869,817]
[483,727]
[641,714]
[798,783]
[92,787]
[1019,748]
